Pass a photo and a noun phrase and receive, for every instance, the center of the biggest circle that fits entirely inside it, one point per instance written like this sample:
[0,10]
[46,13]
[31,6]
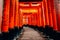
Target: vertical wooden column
[36,18]
[57,7]
[40,15]
[33,19]
[5,20]
[16,21]
[20,18]
[50,14]
[46,11]
[43,15]
[20,15]
[29,20]
[37,21]
[11,14]
[58,14]
[53,14]
[58,21]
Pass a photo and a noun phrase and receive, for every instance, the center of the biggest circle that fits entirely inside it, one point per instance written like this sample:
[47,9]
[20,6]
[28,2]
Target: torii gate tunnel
[16,14]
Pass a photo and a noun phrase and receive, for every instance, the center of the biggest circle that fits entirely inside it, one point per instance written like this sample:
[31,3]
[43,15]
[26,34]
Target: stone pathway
[30,34]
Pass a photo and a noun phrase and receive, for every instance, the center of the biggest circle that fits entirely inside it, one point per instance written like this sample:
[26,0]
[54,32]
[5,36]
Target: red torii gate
[12,17]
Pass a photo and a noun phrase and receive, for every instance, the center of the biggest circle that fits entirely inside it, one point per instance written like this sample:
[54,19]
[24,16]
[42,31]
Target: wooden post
[16,19]
[41,23]
[5,19]
[53,15]
[50,14]
[43,15]
[46,12]
[11,14]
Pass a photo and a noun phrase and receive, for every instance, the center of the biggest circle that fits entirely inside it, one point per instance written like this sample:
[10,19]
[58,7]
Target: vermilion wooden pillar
[16,21]
[11,14]
[53,15]
[20,15]
[29,20]
[58,21]
[34,19]
[37,20]
[5,20]
[50,13]
[43,15]
[46,11]
[21,19]
[57,4]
